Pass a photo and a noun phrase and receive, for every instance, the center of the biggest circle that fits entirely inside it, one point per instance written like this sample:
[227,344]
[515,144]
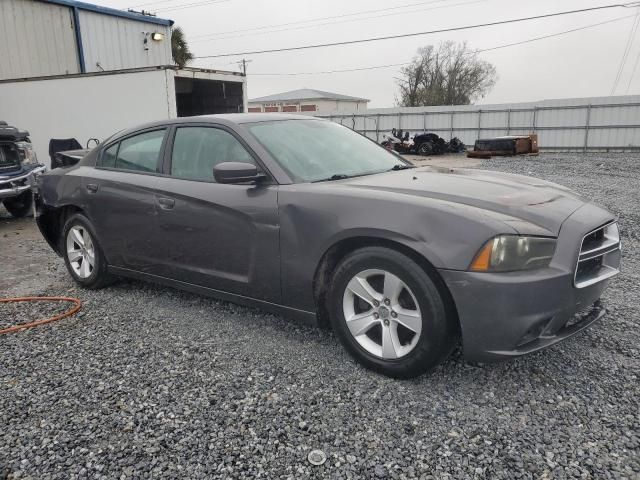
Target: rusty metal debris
[421,143]
[505,146]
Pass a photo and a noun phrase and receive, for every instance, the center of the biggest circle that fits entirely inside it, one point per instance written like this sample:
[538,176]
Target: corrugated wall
[36,39]
[118,43]
[564,124]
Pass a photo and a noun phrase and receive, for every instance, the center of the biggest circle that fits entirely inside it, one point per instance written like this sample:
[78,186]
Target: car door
[121,202]
[221,236]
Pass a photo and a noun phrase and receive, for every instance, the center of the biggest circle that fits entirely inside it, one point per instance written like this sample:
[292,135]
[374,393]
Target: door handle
[91,187]
[166,203]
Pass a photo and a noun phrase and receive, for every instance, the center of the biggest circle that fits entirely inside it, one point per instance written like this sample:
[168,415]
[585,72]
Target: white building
[308,101]
[70,69]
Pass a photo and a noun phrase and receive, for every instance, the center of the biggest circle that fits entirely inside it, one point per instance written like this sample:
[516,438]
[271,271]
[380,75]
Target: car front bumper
[504,315]
[15,184]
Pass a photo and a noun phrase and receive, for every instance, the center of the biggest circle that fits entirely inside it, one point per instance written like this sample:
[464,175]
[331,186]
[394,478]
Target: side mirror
[236,172]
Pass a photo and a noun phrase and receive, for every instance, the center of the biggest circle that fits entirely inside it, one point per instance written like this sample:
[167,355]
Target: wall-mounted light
[157,36]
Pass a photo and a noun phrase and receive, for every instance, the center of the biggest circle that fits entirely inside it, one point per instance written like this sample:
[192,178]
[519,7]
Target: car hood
[535,201]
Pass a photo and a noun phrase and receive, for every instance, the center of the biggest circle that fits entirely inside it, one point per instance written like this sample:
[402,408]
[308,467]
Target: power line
[535,39]
[405,35]
[334,71]
[311,20]
[190,5]
[625,54]
[175,7]
[150,3]
[633,73]
[336,22]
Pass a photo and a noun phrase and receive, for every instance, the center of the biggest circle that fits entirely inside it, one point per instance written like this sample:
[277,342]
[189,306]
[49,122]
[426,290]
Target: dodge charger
[307,218]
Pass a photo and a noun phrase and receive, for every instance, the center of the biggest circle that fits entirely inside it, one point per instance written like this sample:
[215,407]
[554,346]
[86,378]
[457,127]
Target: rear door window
[140,152]
[197,150]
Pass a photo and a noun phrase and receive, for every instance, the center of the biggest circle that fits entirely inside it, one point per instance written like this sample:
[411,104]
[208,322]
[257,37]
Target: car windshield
[317,150]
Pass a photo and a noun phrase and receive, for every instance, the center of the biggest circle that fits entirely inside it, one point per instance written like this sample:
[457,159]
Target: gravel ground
[152,382]
[19,313]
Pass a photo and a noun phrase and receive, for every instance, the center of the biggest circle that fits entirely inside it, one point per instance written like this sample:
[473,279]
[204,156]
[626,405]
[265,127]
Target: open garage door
[196,96]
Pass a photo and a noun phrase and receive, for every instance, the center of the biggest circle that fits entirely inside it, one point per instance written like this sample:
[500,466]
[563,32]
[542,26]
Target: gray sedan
[307,218]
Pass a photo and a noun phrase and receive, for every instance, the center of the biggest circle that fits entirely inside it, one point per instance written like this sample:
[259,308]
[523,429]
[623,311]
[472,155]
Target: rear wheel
[426,148]
[82,254]
[389,314]
[19,206]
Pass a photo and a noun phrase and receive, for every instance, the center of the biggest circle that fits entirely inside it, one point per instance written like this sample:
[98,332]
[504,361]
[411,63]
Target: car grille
[599,256]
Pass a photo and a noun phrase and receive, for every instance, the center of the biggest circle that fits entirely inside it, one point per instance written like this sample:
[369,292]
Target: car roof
[224,119]
[256,117]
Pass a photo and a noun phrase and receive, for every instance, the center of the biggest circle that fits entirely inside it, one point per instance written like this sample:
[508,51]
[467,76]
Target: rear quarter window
[140,152]
[108,157]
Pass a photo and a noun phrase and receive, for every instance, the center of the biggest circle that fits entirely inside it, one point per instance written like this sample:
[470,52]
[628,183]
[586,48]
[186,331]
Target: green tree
[451,74]
[179,48]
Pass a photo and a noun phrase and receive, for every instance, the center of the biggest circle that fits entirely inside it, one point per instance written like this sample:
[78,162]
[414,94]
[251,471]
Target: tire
[416,353]
[19,206]
[78,252]
[425,148]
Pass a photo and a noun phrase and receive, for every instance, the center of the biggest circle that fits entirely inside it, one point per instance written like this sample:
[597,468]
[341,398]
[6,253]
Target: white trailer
[99,104]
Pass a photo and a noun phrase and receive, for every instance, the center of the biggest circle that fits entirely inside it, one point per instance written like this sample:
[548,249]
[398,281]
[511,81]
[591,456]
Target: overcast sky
[578,64]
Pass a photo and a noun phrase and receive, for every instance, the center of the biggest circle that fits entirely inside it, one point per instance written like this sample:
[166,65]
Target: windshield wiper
[337,176]
[401,166]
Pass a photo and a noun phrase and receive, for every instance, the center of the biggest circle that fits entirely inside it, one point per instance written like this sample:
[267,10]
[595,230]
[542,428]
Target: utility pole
[243,63]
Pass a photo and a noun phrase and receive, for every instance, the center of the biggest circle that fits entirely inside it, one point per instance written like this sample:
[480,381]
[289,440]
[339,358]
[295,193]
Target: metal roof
[306,94]
[111,11]
[192,70]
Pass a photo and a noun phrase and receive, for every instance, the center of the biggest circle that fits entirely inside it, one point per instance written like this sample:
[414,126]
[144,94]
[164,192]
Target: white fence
[579,124]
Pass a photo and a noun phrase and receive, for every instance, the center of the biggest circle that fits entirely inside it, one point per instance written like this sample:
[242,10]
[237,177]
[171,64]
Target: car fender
[418,245]
[313,218]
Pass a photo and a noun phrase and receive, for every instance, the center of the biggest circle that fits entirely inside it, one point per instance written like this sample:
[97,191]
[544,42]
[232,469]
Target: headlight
[507,253]
[27,153]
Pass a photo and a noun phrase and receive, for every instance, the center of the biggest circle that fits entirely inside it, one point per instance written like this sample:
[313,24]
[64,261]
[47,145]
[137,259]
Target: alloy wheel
[80,251]
[382,314]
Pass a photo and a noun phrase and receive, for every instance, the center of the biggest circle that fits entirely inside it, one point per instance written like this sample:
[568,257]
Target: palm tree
[179,48]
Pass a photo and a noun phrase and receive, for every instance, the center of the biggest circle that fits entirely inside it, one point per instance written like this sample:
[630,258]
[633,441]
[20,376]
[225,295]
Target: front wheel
[82,253]
[19,206]
[389,314]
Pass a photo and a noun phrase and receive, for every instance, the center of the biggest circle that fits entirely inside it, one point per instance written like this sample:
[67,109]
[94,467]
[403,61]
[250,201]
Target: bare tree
[179,48]
[451,74]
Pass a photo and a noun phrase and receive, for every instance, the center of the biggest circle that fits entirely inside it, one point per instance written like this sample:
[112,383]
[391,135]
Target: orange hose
[24,326]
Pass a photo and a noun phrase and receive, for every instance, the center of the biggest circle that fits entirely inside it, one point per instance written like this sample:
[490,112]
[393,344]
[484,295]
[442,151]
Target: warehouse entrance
[196,96]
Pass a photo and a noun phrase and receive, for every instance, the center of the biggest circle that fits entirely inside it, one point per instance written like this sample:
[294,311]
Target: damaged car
[421,143]
[18,168]
[304,217]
